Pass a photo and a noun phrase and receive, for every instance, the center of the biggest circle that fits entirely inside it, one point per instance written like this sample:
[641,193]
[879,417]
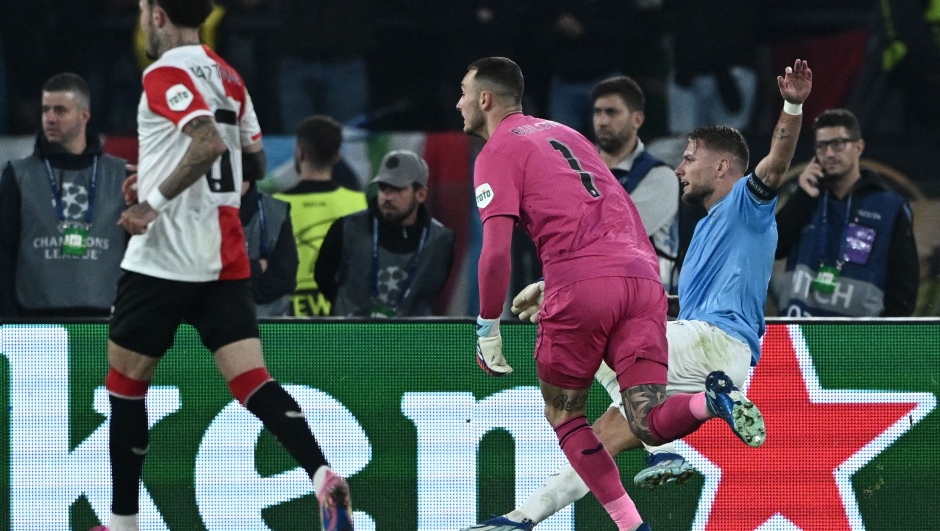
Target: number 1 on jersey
[586,178]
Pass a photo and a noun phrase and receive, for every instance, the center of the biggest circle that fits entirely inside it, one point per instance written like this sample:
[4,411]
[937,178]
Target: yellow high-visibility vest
[311,216]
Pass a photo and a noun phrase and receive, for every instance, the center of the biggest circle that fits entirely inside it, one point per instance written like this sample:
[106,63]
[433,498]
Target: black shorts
[148,310]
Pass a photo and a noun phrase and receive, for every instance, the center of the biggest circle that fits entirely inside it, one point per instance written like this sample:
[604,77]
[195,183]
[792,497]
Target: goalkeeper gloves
[529,301]
[490,348]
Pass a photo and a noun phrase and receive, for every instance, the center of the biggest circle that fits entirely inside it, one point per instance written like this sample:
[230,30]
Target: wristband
[792,108]
[156,200]
[487,327]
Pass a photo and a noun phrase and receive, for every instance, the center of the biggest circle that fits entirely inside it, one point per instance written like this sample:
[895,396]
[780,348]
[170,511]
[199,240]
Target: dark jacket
[280,278]
[336,264]
[902,269]
[34,284]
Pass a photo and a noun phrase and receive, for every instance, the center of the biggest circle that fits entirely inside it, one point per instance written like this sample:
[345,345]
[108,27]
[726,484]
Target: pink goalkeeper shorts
[620,320]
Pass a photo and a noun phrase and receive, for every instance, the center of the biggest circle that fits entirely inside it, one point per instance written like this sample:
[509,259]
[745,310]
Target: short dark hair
[623,86]
[186,13]
[69,82]
[320,138]
[725,139]
[503,73]
[838,118]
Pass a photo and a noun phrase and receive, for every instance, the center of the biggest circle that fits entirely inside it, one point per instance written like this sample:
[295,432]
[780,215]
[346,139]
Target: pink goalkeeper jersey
[552,180]
[198,236]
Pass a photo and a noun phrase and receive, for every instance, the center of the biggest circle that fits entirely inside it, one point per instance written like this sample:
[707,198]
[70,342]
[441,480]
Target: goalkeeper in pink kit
[603,297]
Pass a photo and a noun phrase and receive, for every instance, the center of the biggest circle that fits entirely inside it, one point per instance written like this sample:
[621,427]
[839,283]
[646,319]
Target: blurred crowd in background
[396,64]
[387,66]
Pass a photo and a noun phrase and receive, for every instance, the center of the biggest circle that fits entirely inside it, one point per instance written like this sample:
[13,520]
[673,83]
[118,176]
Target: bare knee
[614,432]
[238,358]
[131,364]
[556,417]
[641,431]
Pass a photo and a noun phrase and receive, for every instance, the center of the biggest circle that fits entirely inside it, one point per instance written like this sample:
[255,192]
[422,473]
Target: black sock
[128,446]
[283,417]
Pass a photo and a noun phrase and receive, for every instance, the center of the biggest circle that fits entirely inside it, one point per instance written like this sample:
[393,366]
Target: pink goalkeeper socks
[589,458]
[624,513]
[677,417]
[698,407]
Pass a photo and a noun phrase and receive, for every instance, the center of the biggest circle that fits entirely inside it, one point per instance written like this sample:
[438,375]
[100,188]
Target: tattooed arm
[205,148]
[795,87]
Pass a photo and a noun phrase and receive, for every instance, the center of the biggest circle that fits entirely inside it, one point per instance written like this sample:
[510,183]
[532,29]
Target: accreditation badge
[75,240]
[859,242]
[380,311]
[826,279]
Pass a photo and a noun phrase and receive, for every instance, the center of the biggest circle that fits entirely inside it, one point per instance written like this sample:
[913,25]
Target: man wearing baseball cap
[392,259]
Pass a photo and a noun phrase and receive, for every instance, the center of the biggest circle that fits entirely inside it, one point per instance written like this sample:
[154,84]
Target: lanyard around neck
[824,236]
[57,192]
[406,286]
[263,225]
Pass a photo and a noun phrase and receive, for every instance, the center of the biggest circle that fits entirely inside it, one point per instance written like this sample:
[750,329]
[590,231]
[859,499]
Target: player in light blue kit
[722,289]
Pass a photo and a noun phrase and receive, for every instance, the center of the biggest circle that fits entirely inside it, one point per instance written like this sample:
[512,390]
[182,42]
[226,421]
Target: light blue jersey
[727,267]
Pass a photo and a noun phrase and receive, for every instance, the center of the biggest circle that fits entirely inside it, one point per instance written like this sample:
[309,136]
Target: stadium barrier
[430,443]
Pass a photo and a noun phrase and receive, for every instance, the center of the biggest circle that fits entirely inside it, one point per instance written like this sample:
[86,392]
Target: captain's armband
[759,190]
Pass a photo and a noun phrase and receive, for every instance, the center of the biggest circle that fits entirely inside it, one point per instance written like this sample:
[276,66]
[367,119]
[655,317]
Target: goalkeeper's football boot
[726,401]
[501,523]
[335,503]
[662,468]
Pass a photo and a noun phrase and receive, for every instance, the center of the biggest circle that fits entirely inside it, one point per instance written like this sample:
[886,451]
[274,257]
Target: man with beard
[619,112]
[392,259]
[722,289]
[315,203]
[846,234]
[187,262]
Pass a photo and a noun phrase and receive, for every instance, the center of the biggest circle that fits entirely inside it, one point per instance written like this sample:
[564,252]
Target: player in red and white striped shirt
[187,262]
[186,86]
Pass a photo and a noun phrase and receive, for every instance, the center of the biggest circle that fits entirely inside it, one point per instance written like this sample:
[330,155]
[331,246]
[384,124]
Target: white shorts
[696,349]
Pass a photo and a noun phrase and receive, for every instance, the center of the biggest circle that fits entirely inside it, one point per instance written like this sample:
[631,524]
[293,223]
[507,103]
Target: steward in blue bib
[848,257]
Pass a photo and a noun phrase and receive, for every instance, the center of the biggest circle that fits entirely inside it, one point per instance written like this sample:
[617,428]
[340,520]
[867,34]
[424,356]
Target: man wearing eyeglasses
[846,235]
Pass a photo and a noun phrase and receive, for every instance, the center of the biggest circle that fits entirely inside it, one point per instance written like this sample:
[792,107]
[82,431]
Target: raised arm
[795,86]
